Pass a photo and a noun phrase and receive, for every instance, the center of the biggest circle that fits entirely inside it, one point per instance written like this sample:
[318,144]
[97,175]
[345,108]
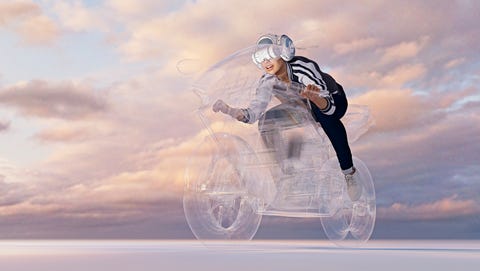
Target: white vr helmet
[271,46]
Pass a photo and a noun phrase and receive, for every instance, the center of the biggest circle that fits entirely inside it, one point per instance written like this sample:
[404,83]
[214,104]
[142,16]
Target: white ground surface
[246,256]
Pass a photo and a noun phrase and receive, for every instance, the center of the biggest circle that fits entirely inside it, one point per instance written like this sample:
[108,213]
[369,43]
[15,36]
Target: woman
[324,96]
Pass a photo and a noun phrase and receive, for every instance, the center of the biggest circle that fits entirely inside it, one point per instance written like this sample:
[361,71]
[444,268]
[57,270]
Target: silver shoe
[354,188]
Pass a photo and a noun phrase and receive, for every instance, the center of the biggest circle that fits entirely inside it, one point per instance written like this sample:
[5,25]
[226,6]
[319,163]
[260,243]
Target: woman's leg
[338,137]
[335,130]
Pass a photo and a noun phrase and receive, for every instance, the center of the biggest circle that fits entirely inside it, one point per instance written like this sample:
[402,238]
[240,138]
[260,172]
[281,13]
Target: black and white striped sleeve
[308,73]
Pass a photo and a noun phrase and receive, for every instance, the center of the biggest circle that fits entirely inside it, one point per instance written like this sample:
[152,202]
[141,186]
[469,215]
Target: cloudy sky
[97,123]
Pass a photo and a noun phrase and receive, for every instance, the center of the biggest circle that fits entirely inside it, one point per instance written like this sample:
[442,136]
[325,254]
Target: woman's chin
[270,72]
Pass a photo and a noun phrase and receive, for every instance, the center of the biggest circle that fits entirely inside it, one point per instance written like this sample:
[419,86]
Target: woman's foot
[354,188]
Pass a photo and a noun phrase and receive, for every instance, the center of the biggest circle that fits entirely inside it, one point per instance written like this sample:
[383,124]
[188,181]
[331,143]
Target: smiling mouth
[269,67]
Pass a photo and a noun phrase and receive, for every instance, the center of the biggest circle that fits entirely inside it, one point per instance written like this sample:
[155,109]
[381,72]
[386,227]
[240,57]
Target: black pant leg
[337,134]
[335,130]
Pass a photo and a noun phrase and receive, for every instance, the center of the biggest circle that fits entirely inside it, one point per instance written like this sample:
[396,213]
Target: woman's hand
[223,107]
[312,92]
[220,105]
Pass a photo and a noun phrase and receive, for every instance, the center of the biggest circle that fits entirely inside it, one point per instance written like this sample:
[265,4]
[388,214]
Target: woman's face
[273,66]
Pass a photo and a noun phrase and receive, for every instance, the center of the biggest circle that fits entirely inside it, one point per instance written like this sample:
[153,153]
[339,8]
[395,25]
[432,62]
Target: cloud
[403,50]
[433,158]
[85,128]
[4,125]
[119,197]
[17,185]
[454,63]
[355,46]
[403,75]
[150,176]
[12,10]
[38,30]
[189,30]
[27,19]
[64,100]
[396,109]
[446,208]
[450,98]
[140,9]
[75,16]
[69,132]
[372,78]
